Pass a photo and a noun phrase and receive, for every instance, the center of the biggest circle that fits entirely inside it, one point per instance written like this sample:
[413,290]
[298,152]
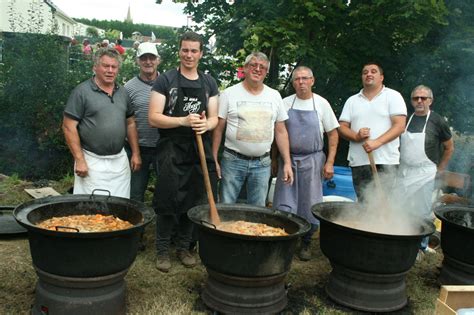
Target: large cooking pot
[73,254]
[362,250]
[368,268]
[8,224]
[245,255]
[457,231]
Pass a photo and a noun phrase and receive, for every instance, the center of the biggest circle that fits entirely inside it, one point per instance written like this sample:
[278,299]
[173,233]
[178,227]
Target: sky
[143,11]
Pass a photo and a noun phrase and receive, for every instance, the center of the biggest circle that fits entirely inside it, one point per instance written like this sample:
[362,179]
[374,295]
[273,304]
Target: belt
[245,157]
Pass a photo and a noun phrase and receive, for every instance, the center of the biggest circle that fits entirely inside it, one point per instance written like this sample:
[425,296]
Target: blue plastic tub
[340,184]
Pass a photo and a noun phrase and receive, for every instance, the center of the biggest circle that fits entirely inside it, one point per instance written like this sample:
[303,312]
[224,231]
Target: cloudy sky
[143,11]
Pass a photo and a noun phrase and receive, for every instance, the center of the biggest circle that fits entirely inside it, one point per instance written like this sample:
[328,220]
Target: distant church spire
[129,15]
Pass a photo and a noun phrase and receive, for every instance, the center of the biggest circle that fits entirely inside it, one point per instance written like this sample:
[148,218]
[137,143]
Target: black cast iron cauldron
[246,274]
[73,254]
[245,255]
[457,235]
[369,269]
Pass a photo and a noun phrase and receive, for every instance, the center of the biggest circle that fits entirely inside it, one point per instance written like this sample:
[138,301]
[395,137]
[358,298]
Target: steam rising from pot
[385,211]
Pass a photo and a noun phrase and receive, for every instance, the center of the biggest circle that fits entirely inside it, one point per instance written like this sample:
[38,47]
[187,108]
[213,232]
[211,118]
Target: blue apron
[307,161]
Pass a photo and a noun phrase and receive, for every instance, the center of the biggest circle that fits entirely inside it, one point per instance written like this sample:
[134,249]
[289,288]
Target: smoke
[386,209]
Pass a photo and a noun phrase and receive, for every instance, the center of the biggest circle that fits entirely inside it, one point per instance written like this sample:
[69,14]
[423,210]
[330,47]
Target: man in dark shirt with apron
[425,149]
[183,102]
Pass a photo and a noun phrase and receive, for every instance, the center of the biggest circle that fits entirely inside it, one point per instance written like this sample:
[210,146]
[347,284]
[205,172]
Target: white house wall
[25,16]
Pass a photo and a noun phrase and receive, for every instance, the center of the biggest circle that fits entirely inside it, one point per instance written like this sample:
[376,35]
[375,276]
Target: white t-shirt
[326,117]
[376,115]
[250,118]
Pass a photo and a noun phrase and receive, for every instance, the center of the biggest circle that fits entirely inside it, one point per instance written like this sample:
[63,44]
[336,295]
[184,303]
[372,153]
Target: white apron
[108,172]
[416,172]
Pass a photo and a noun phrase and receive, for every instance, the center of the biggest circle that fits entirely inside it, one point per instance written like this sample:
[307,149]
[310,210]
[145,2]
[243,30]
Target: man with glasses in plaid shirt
[255,115]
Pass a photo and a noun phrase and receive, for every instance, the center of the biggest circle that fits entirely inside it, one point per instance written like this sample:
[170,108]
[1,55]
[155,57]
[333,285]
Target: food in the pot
[85,223]
[250,228]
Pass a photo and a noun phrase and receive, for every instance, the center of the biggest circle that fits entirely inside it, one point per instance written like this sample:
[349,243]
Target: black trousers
[362,176]
[164,228]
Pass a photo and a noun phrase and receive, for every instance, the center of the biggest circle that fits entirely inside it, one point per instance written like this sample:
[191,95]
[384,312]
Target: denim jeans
[235,171]
[139,179]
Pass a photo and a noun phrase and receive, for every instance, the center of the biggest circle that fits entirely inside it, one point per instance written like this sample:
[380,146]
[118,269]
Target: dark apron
[307,161]
[180,183]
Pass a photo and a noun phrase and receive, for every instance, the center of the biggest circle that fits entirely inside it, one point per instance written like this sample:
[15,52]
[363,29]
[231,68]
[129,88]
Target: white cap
[147,48]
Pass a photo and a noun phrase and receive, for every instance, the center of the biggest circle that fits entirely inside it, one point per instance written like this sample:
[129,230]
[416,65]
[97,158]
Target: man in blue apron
[183,102]
[425,149]
[310,115]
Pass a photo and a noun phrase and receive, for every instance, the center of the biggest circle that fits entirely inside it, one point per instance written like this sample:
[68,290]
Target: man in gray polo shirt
[97,118]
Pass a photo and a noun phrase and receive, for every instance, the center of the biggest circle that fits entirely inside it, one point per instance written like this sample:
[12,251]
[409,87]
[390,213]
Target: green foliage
[92,32]
[422,41]
[127,28]
[34,91]
[112,34]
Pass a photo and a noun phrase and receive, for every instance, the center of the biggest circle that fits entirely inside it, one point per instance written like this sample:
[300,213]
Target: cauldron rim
[22,211]
[303,224]
[428,226]
[441,211]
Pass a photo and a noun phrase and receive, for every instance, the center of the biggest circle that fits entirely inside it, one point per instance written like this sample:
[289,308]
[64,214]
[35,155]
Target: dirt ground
[178,292]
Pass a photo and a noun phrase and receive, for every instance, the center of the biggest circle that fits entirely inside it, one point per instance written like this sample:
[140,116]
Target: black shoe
[304,254]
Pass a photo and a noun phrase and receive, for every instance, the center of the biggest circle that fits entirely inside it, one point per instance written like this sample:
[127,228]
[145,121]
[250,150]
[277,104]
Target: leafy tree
[127,28]
[112,34]
[92,31]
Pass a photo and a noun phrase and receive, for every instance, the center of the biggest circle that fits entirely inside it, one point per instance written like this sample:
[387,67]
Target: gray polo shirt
[102,119]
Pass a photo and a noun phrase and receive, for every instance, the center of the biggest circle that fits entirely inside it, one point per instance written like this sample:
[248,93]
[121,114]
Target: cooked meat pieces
[85,223]
[250,228]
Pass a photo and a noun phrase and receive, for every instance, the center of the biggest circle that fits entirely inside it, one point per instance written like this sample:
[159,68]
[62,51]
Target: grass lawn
[178,292]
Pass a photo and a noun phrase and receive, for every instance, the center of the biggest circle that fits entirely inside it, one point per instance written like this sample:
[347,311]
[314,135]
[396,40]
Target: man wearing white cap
[139,89]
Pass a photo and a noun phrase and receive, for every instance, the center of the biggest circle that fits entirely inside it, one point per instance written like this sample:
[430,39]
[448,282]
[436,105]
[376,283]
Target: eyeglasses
[257,66]
[423,98]
[302,79]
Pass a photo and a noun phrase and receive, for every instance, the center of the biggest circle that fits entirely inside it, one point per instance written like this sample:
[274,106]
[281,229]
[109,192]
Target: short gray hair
[301,68]
[109,52]
[257,55]
[423,87]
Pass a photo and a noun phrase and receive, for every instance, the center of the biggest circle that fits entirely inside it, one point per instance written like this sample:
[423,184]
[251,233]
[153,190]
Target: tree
[92,31]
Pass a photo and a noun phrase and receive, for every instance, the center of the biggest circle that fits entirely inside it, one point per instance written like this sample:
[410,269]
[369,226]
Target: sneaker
[163,263]
[304,253]
[186,258]
[420,255]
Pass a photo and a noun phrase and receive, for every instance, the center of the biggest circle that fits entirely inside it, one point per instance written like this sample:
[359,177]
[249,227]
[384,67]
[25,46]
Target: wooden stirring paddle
[374,170]
[213,214]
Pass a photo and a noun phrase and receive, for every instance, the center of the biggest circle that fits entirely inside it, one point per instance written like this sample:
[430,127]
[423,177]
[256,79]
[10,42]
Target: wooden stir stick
[213,214]
[374,171]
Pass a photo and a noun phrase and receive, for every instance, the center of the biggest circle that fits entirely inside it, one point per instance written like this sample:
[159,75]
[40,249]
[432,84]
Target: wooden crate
[454,297]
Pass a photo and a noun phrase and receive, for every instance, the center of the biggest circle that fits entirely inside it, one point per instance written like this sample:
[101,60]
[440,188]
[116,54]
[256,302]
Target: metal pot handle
[208,224]
[98,189]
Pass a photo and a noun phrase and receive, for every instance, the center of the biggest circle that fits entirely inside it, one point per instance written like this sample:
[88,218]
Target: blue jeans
[139,179]
[235,171]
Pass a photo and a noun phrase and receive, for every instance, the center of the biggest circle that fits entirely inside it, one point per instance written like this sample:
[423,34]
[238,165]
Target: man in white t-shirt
[254,115]
[310,116]
[372,120]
